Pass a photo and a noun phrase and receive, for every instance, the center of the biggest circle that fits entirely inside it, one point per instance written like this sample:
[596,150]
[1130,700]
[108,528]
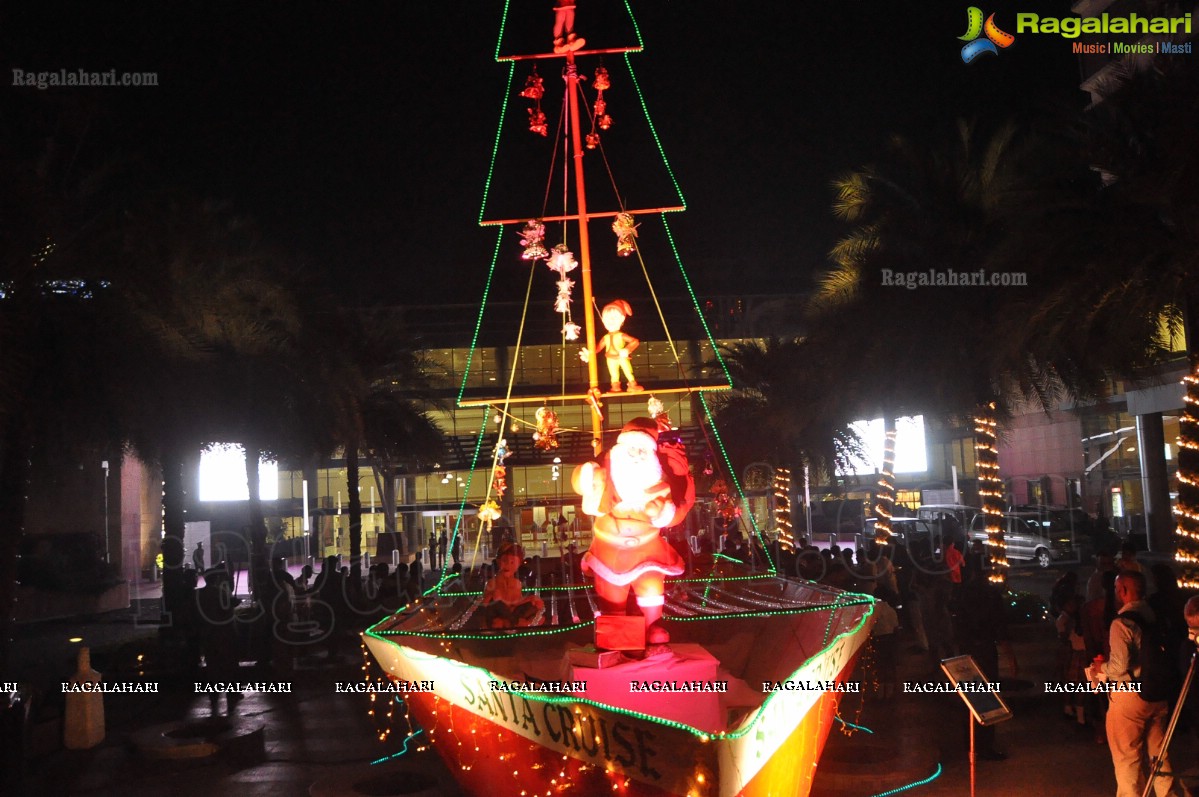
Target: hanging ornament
[601,107]
[724,504]
[561,260]
[604,122]
[534,87]
[489,512]
[546,436]
[571,330]
[592,140]
[601,82]
[655,406]
[531,237]
[515,427]
[562,303]
[626,230]
[499,484]
[537,122]
[501,451]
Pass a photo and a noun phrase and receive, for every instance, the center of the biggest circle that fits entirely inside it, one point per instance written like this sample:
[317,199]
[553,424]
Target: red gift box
[620,632]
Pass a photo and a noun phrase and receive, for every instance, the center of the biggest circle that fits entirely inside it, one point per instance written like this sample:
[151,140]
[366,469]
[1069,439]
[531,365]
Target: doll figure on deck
[635,490]
[616,345]
[565,40]
[504,605]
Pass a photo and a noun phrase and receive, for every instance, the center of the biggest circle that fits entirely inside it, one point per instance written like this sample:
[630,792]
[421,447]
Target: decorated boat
[658,667]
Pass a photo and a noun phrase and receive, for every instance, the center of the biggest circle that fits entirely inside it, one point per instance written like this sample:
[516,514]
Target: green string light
[736,483]
[654,131]
[936,774]
[495,147]
[703,735]
[849,724]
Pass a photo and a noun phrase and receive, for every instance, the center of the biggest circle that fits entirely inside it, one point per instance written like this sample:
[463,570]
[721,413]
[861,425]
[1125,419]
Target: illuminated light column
[990,489]
[782,508]
[1186,509]
[884,504]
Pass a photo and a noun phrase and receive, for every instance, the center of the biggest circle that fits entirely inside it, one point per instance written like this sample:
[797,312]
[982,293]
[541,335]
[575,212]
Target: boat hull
[541,742]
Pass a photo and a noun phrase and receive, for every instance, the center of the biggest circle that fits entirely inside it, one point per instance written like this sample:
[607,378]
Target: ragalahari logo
[975,27]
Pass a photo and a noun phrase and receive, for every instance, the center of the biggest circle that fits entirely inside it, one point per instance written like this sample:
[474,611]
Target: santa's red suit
[635,491]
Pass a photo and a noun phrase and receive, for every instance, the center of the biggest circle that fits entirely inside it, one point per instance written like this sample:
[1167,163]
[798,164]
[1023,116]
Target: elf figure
[564,22]
[635,490]
[616,345]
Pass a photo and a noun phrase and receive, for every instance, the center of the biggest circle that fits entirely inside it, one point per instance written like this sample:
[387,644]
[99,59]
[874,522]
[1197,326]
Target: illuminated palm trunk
[782,508]
[1186,510]
[990,489]
[884,499]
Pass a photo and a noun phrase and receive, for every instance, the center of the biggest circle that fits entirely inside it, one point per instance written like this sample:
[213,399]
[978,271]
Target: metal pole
[970,719]
[807,503]
[107,555]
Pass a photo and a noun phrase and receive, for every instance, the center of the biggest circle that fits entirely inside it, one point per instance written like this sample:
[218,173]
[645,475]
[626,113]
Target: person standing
[1135,727]
[981,631]
[198,557]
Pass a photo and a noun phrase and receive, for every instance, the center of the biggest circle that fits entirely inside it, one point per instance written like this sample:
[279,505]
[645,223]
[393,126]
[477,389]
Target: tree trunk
[1186,509]
[884,498]
[385,480]
[259,566]
[176,593]
[990,489]
[14,478]
[355,516]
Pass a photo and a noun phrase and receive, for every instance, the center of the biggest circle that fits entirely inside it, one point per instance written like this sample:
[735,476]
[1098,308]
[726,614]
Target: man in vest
[1134,726]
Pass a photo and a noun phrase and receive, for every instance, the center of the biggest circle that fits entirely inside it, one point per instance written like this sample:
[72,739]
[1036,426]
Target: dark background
[359,134]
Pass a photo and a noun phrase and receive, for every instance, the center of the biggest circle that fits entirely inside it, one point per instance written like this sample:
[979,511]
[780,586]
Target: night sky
[359,134]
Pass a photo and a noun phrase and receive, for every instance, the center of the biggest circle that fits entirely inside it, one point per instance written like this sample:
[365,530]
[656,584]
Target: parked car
[1027,538]
[964,514]
[904,530]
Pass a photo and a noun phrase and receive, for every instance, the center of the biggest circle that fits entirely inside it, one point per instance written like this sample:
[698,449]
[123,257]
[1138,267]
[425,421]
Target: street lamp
[107,555]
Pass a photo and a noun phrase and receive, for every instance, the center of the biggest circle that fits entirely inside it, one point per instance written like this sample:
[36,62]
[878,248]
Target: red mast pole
[572,100]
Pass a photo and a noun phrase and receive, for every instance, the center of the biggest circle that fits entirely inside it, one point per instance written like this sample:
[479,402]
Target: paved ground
[914,737]
[314,737]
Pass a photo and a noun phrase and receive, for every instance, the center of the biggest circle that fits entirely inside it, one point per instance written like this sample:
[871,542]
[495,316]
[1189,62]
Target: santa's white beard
[633,473]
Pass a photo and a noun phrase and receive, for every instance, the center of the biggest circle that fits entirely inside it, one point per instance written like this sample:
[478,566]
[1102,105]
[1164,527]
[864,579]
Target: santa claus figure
[636,489]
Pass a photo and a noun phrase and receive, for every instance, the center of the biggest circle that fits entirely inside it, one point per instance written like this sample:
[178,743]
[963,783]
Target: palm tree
[211,350]
[1139,274]
[55,313]
[976,202]
[781,410]
[379,402]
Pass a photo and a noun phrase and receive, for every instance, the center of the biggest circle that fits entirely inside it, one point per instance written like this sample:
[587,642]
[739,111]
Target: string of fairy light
[463,735]
[781,484]
[990,489]
[884,504]
[1186,508]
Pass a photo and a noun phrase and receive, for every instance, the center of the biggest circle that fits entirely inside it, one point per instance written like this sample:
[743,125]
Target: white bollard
[83,723]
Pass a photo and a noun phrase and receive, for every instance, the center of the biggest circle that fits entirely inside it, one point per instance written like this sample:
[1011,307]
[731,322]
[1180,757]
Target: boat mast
[572,100]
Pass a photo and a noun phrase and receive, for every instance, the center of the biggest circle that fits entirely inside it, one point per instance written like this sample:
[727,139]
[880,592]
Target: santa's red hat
[640,426]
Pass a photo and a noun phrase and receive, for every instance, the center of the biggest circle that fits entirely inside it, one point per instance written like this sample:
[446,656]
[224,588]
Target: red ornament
[537,122]
[534,87]
[546,436]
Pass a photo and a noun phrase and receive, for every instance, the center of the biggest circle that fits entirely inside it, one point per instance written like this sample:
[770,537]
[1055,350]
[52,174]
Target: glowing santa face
[634,463]
[612,318]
